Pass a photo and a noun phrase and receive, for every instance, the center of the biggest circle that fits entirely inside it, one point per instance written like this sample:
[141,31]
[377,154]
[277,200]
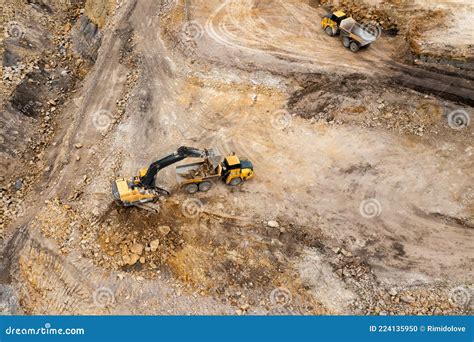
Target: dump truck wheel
[346,42]
[329,31]
[205,186]
[191,188]
[354,47]
[236,181]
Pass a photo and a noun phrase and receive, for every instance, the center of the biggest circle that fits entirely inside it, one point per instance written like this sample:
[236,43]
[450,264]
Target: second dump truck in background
[353,35]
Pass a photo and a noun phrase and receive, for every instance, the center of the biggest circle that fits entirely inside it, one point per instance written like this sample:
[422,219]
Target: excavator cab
[331,22]
[235,170]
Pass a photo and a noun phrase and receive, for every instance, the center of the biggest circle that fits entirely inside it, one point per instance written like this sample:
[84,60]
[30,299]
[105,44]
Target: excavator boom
[148,180]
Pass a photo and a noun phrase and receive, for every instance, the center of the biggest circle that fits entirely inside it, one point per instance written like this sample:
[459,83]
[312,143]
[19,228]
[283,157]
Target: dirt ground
[362,201]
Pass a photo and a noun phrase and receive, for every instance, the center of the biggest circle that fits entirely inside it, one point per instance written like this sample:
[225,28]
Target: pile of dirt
[383,15]
[370,102]
[217,257]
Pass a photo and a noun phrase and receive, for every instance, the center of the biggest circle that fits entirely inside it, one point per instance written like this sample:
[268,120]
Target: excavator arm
[148,180]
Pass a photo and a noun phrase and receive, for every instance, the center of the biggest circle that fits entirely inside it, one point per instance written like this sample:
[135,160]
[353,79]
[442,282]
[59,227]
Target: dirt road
[371,217]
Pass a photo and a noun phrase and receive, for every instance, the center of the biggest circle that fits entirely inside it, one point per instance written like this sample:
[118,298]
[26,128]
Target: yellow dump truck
[354,35]
[200,176]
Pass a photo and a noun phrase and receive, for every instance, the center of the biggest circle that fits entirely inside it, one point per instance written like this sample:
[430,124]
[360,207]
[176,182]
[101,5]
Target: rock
[407,299]
[336,250]
[346,253]
[142,260]
[78,146]
[133,259]
[392,292]
[245,307]
[273,224]
[136,248]
[164,230]
[126,259]
[18,184]
[154,245]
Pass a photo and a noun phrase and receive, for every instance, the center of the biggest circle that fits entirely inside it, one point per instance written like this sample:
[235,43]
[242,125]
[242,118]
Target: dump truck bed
[357,32]
[193,172]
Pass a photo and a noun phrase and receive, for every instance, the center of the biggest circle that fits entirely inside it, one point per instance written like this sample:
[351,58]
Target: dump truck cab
[235,170]
[331,22]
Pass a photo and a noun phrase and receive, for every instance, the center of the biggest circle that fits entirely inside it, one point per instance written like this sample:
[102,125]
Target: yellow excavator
[141,190]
